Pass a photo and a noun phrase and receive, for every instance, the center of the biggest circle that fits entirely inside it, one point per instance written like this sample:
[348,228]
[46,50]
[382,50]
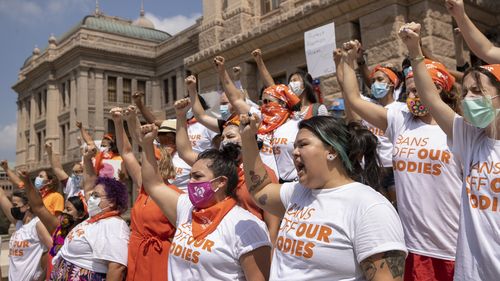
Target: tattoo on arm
[256,181]
[393,260]
[263,199]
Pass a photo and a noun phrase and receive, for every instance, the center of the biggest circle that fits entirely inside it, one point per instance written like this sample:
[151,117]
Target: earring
[330,157]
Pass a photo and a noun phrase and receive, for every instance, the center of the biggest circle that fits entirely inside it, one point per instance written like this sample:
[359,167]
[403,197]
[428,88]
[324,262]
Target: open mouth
[301,168]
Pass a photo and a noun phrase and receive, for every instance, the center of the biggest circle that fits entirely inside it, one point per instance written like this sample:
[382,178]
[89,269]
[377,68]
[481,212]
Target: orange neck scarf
[273,116]
[192,121]
[103,215]
[44,191]
[205,221]
[101,156]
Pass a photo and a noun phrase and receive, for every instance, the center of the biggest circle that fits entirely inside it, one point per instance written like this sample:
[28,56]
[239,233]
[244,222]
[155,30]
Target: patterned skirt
[65,271]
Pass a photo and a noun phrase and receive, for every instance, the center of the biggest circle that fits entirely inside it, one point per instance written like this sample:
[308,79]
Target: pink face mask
[200,193]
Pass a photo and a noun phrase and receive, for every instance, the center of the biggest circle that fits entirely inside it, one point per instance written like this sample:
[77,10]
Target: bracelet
[417,59]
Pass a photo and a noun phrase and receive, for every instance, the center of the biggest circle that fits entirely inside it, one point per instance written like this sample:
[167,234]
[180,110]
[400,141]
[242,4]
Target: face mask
[38,183]
[93,206]
[77,180]
[296,87]
[17,214]
[189,114]
[224,111]
[103,149]
[416,107]
[379,90]
[200,193]
[479,111]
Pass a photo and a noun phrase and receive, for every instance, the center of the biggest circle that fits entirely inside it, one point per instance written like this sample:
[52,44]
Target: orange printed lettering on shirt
[376,131]
[483,187]
[412,141]
[183,238]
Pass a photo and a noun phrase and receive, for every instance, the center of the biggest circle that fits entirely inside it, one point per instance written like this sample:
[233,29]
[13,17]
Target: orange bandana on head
[387,71]
[234,119]
[273,113]
[439,74]
[494,69]
[205,221]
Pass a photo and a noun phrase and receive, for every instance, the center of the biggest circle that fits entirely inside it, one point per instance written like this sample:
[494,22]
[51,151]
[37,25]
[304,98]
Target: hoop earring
[330,157]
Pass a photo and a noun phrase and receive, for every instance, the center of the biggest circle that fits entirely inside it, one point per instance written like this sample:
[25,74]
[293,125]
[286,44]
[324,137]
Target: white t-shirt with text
[428,181]
[282,144]
[93,245]
[200,136]
[478,249]
[216,257]
[326,233]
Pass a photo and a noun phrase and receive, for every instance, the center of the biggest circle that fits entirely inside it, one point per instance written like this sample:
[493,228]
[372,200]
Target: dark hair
[21,194]
[353,143]
[308,85]
[79,206]
[224,162]
[54,183]
[116,192]
[476,70]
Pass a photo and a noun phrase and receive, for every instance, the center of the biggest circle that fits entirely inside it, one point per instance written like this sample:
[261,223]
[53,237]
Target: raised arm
[36,203]
[350,115]
[6,205]
[165,198]
[233,94]
[237,77]
[265,193]
[146,113]
[87,138]
[198,111]
[124,148]
[477,42]
[133,123]
[372,113]
[13,178]
[264,73]
[55,163]
[427,91]
[182,142]
[363,67]
[89,174]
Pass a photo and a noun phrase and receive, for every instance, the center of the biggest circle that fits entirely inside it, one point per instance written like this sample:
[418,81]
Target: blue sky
[26,23]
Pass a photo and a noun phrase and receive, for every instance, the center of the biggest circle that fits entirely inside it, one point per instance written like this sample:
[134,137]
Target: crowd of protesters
[404,187]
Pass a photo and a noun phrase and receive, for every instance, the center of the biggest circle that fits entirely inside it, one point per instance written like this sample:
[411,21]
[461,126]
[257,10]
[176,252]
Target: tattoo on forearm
[263,199]
[256,181]
[396,263]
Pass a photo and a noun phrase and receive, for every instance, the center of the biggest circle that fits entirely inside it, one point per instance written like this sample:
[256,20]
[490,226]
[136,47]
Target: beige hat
[168,126]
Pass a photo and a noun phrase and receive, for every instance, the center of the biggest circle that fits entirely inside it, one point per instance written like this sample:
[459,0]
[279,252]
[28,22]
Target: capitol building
[100,61]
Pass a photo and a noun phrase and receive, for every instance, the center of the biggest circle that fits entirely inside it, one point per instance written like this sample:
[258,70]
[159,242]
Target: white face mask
[93,206]
[103,149]
[296,87]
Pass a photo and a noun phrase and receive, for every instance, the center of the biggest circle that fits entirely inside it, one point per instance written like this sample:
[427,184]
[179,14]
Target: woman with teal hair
[328,212]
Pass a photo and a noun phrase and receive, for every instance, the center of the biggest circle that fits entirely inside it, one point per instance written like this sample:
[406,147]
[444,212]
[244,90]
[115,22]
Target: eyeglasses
[96,195]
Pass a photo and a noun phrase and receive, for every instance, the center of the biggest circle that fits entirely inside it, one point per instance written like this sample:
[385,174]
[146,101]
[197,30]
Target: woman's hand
[455,8]
[219,64]
[249,124]
[130,113]
[149,132]
[410,35]
[182,106]
[190,82]
[116,114]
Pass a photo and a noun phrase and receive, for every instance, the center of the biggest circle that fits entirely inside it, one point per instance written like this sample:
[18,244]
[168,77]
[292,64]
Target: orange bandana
[44,191]
[439,74]
[205,221]
[283,93]
[234,119]
[273,116]
[387,71]
[192,121]
[104,215]
[494,69]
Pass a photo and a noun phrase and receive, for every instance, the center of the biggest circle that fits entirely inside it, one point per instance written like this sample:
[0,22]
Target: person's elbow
[116,272]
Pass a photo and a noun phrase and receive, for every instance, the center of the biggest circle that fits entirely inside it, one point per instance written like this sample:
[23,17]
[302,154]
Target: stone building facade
[99,62]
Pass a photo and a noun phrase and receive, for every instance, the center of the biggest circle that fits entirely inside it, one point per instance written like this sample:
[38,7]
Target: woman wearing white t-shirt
[427,175]
[476,140]
[96,249]
[30,240]
[333,227]
[215,239]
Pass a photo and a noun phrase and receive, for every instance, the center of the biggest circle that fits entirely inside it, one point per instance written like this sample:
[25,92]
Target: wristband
[417,59]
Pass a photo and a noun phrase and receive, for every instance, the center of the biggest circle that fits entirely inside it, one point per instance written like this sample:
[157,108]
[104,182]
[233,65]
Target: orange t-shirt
[149,241]
[245,199]
[54,202]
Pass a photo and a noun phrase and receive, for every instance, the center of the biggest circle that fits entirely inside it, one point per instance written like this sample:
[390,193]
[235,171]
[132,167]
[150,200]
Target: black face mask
[17,214]
[67,222]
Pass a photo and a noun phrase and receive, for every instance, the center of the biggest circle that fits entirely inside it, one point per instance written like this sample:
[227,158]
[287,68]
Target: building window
[63,95]
[39,146]
[39,103]
[127,90]
[141,87]
[111,89]
[64,138]
[174,87]
[269,5]
[69,92]
[44,99]
[165,91]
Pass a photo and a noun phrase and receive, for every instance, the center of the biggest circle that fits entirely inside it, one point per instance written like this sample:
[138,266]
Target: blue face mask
[479,111]
[38,183]
[77,180]
[189,114]
[379,90]
[224,111]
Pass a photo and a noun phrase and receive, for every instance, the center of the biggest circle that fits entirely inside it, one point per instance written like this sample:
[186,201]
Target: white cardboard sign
[319,45]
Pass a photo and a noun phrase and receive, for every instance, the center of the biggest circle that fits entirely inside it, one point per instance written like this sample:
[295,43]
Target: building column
[51,122]
[82,97]
[155,94]
[179,76]
[19,134]
[99,105]
[32,142]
